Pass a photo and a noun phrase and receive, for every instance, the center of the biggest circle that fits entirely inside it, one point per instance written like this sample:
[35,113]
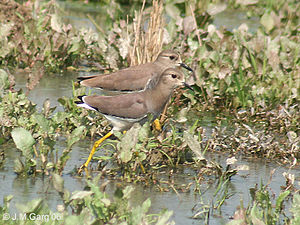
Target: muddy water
[184,205]
[52,87]
[232,19]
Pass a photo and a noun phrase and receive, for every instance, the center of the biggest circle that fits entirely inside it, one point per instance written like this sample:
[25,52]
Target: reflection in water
[26,189]
[54,86]
[51,86]
[232,19]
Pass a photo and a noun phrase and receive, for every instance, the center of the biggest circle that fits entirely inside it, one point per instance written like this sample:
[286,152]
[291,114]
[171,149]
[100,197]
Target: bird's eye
[172,57]
[174,76]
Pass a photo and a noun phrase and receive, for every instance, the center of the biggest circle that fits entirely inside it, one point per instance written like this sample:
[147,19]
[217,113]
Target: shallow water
[182,204]
[232,19]
[54,86]
[78,16]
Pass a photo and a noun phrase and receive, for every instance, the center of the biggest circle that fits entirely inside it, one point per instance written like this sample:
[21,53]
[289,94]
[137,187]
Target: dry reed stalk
[147,44]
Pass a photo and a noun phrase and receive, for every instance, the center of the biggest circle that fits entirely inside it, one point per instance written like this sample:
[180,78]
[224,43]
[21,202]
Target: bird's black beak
[186,67]
[188,86]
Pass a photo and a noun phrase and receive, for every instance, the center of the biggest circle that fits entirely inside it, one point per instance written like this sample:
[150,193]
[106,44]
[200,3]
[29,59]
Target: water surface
[183,204]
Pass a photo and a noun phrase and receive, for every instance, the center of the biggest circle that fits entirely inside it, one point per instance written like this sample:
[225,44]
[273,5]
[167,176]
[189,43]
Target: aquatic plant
[34,38]
[252,77]
[35,133]
[87,207]
[263,210]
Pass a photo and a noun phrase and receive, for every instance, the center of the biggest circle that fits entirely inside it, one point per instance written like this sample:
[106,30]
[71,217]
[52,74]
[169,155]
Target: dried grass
[147,42]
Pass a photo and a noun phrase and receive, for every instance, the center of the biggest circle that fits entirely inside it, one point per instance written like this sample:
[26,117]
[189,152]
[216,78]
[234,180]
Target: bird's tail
[83,104]
[85,78]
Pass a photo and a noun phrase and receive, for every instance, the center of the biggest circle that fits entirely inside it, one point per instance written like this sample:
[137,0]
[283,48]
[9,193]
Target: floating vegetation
[91,206]
[267,209]
[35,39]
[249,80]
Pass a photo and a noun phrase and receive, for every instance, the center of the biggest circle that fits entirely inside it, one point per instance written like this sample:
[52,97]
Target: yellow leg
[157,125]
[96,144]
[142,167]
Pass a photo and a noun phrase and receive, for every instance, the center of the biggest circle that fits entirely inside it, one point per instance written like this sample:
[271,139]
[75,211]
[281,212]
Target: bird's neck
[158,97]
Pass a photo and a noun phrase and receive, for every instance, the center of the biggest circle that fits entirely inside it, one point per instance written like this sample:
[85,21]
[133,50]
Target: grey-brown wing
[124,106]
[129,79]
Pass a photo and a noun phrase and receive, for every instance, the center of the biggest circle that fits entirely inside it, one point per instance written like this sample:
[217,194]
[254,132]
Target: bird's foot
[157,125]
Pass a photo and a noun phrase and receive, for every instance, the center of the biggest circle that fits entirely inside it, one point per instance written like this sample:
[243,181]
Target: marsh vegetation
[247,83]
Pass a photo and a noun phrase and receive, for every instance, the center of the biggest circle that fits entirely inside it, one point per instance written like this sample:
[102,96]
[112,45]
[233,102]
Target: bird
[134,78]
[122,111]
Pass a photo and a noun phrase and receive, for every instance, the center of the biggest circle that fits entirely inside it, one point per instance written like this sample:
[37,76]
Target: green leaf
[106,201]
[127,191]
[66,196]
[75,136]
[5,29]
[181,116]
[172,11]
[32,206]
[137,215]
[55,25]
[49,165]
[126,155]
[146,205]
[256,215]
[192,44]
[144,132]
[58,182]
[139,212]
[18,166]
[235,222]
[280,199]
[296,210]
[75,46]
[214,9]
[128,142]
[42,122]
[4,82]
[60,117]
[24,141]
[7,198]
[84,217]
[81,194]
[193,144]
[267,21]
[163,219]
[247,2]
